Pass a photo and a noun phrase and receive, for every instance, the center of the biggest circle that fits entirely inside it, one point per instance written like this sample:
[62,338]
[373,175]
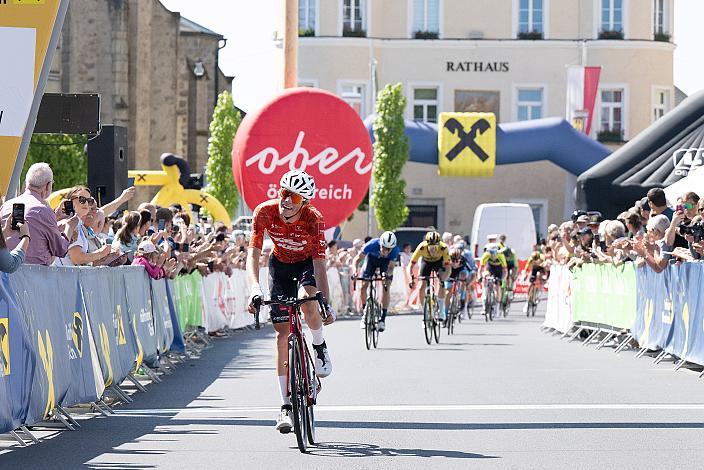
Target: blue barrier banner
[104,296]
[52,379]
[141,316]
[162,316]
[653,327]
[177,345]
[17,361]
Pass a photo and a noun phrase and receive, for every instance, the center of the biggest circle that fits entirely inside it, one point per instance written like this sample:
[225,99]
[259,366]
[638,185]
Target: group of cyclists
[297,268]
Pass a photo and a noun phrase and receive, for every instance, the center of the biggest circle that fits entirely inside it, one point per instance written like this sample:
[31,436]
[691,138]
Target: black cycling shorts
[284,282]
[496,271]
[427,267]
[535,270]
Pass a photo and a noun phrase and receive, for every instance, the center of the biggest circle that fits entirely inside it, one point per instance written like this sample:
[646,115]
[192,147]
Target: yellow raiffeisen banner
[26,28]
[467,144]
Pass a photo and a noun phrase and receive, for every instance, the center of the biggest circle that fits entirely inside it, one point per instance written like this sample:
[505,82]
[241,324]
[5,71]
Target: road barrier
[660,311]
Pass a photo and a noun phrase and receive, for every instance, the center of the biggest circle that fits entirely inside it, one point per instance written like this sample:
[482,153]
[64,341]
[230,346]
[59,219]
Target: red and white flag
[582,88]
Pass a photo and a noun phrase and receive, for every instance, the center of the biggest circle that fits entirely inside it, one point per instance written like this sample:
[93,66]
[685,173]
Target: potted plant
[610,135]
[612,34]
[662,36]
[306,33]
[426,35]
[532,35]
[354,33]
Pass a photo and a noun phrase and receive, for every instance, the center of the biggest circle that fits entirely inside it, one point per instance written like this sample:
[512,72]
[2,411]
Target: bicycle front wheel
[437,324]
[368,324]
[298,393]
[428,319]
[376,316]
[312,395]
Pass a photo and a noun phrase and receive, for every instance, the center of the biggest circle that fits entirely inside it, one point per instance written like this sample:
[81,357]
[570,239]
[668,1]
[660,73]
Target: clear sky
[253,57]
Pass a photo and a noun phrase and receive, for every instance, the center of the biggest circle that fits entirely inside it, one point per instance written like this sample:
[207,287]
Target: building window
[426,18]
[425,104]
[611,112]
[530,18]
[660,21]
[530,104]
[612,16]
[661,103]
[353,94]
[354,18]
[306,17]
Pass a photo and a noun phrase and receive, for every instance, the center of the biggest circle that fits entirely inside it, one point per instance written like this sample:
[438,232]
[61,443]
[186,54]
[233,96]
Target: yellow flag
[467,144]
[26,28]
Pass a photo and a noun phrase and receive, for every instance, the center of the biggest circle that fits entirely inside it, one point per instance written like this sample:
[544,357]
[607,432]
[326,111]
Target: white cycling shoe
[362,323]
[284,423]
[381,326]
[323,365]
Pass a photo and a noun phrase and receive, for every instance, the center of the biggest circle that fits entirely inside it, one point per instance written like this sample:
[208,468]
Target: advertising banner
[331,144]
[604,294]
[188,298]
[177,345]
[162,316]
[559,303]
[653,326]
[467,144]
[140,314]
[238,297]
[216,314]
[51,380]
[106,304]
[17,361]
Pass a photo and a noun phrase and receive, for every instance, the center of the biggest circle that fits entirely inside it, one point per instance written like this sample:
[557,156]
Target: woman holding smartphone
[78,251]
[10,261]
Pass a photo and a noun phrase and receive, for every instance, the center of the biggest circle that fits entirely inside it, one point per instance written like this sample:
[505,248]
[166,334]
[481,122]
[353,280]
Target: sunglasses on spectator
[295,198]
[85,200]
[701,209]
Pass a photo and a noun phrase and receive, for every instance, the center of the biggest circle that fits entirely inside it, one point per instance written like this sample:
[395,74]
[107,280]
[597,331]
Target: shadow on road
[353,449]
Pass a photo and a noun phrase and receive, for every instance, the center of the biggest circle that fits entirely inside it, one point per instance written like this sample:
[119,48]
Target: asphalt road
[498,395]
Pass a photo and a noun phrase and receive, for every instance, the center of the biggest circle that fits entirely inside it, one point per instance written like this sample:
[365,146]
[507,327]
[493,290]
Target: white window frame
[625,116]
[524,86]
[365,9]
[516,13]
[667,20]
[317,14]
[365,102]
[309,82]
[410,86]
[441,18]
[624,18]
[654,102]
[544,204]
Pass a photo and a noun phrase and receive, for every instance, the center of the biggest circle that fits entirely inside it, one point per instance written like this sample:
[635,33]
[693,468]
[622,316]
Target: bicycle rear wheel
[428,319]
[437,323]
[368,324]
[376,315]
[313,393]
[298,394]
[452,314]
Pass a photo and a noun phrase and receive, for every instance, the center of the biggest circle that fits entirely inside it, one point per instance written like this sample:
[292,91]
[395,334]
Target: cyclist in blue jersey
[379,254]
[471,276]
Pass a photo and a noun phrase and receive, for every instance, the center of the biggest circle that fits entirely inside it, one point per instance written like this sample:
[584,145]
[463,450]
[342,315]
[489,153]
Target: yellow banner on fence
[467,144]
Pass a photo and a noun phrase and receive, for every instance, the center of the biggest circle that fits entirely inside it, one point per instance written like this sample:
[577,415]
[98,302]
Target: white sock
[283,386]
[317,336]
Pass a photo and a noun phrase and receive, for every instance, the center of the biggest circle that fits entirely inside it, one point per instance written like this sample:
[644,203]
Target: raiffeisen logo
[687,159]
[27,2]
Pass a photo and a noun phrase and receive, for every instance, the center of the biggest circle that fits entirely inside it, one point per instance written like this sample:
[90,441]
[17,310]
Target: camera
[695,230]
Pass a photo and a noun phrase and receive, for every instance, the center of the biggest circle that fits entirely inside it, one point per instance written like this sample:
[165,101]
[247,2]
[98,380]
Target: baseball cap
[583,219]
[585,231]
[146,247]
[644,204]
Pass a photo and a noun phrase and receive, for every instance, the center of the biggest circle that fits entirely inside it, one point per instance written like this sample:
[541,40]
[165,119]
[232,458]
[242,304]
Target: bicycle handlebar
[258,302]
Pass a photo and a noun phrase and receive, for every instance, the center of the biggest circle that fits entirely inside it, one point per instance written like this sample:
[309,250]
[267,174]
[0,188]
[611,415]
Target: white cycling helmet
[299,182]
[387,240]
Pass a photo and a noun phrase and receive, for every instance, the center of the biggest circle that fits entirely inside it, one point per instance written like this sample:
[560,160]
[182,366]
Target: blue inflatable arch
[552,139]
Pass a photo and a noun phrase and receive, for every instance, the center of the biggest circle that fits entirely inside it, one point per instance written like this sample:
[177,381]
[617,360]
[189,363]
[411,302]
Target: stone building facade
[157,74]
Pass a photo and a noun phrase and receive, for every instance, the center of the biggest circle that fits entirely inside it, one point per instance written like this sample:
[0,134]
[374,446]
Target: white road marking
[421,408]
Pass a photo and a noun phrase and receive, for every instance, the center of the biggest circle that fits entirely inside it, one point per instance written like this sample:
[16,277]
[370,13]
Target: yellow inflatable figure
[173,181]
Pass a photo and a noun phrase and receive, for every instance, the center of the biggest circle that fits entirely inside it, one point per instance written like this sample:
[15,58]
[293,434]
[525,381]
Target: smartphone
[220,237]
[130,182]
[161,224]
[174,229]
[17,216]
[680,208]
[68,208]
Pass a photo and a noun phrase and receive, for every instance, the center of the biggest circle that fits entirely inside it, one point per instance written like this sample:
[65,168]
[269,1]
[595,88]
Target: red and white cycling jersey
[292,242]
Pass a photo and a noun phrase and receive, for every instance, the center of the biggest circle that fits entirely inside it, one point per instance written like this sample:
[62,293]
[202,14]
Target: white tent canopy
[692,182]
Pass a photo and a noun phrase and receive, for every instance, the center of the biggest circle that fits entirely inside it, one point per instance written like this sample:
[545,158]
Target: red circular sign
[311,130]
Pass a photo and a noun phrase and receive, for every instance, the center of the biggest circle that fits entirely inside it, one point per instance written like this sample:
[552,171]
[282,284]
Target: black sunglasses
[85,200]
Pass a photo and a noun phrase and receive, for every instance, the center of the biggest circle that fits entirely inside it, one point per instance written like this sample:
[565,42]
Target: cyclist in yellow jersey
[536,266]
[494,263]
[511,261]
[433,255]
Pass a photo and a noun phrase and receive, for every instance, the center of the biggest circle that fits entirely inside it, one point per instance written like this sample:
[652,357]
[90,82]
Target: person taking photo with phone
[10,261]
[48,241]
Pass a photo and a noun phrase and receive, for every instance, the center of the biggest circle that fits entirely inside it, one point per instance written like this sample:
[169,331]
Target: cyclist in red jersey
[296,268]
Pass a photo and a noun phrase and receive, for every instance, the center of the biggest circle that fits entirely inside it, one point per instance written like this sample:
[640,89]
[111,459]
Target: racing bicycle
[372,311]
[431,315]
[534,295]
[490,301]
[506,298]
[303,384]
[455,305]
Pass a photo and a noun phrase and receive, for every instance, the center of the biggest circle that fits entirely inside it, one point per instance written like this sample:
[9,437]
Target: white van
[514,220]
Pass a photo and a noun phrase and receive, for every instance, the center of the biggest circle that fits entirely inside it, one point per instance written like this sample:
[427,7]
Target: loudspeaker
[107,164]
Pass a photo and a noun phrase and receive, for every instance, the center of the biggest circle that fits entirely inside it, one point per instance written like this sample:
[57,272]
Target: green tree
[65,155]
[390,154]
[218,170]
